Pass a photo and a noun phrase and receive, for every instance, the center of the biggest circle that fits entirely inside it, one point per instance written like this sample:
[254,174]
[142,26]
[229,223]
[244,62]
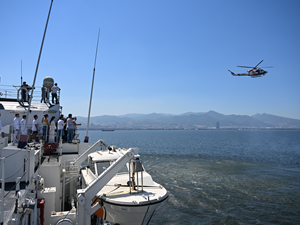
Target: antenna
[86,138]
[21,74]
[37,65]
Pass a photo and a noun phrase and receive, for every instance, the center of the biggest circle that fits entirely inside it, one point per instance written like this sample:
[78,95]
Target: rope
[119,185]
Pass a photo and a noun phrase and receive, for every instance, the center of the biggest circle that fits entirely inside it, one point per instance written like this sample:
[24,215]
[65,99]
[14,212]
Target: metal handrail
[15,94]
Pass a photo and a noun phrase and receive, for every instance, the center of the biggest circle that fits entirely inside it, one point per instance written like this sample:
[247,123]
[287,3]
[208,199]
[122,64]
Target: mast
[37,66]
[21,74]
[86,138]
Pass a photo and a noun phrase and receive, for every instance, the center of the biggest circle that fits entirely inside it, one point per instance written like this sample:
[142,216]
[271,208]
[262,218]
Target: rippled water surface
[219,177]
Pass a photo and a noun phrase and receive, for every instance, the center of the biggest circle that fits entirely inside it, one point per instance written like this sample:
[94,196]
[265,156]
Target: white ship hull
[128,214]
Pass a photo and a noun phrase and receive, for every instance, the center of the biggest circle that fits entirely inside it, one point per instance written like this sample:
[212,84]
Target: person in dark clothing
[25,92]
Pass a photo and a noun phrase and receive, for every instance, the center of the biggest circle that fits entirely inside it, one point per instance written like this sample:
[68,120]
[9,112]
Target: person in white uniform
[60,127]
[35,128]
[16,127]
[23,124]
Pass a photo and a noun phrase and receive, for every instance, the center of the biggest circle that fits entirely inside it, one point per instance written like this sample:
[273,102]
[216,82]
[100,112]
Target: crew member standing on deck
[45,127]
[35,128]
[60,127]
[25,94]
[54,90]
[52,130]
[65,133]
[70,128]
[44,94]
[16,127]
[23,123]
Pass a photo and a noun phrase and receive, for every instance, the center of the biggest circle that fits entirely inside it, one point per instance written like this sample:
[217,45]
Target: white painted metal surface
[57,179]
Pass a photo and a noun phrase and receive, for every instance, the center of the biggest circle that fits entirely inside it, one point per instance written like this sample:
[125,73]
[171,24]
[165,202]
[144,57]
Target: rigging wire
[17,171]
[15,185]
[13,154]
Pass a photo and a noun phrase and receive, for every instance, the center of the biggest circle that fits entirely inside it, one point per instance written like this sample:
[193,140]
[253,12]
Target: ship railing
[69,179]
[39,136]
[28,174]
[15,92]
[15,188]
[28,131]
[136,168]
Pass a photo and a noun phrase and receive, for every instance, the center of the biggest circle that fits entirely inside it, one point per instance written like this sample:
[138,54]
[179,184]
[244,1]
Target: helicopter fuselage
[253,72]
[257,72]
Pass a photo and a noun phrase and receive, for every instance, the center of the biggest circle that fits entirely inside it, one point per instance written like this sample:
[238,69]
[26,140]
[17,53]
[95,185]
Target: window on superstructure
[101,166]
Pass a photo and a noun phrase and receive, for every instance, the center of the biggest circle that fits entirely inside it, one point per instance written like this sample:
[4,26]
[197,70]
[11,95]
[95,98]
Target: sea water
[219,176]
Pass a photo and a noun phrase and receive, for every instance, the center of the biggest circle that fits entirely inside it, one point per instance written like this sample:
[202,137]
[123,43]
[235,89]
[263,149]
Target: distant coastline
[190,121]
[83,128]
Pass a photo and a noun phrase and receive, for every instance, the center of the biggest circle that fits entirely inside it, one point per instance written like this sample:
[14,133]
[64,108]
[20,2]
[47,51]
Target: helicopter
[253,72]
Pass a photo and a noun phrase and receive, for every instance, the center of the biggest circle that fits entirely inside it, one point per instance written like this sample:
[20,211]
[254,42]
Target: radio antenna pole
[37,66]
[21,74]
[86,138]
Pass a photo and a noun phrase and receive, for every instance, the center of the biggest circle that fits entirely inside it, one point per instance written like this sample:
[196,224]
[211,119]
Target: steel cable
[15,185]
[13,154]
[17,171]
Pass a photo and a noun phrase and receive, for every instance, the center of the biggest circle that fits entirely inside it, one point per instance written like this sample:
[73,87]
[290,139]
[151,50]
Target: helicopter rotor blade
[245,66]
[258,63]
[267,67]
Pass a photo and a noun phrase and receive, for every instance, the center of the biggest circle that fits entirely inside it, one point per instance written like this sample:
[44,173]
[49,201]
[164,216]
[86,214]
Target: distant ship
[108,130]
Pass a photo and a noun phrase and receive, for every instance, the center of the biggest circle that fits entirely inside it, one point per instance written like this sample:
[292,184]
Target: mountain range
[188,120]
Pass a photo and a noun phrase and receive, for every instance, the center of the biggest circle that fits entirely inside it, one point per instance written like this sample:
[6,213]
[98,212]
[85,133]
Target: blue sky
[163,56]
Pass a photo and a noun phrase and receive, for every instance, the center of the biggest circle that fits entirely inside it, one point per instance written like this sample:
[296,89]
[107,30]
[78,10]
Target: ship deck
[10,198]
